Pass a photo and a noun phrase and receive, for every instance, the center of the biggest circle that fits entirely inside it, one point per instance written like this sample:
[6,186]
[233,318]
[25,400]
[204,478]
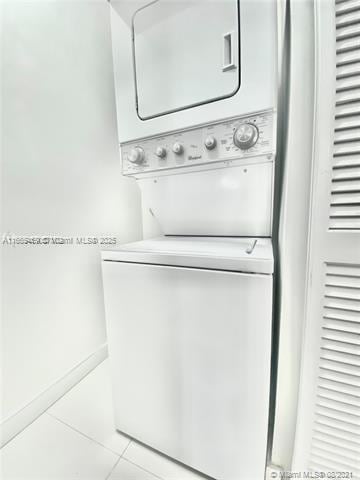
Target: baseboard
[15,423]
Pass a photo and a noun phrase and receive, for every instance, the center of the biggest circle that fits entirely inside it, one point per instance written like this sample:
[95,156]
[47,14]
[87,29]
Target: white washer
[189,323]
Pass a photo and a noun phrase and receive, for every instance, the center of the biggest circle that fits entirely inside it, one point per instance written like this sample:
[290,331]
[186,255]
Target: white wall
[60,175]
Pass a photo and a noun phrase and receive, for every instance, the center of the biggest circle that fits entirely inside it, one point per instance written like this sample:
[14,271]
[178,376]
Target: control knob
[160,152]
[210,142]
[178,148]
[246,135]
[136,155]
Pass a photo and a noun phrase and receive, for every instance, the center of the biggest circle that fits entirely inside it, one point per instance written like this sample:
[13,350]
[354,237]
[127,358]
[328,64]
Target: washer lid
[253,255]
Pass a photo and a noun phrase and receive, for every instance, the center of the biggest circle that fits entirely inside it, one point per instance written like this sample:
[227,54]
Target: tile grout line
[136,465]
[121,456]
[113,468]
[132,463]
[117,461]
[84,435]
[141,468]
[127,446]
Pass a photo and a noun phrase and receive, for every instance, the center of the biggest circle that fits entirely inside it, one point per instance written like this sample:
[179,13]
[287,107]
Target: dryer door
[186,53]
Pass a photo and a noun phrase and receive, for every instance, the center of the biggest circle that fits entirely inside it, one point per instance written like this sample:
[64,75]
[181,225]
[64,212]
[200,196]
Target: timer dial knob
[178,148]
[246,135]
[160,152]
[136,155]
[210,142]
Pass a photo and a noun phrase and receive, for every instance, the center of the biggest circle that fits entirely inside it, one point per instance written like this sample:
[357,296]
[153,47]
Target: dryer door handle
[229,48]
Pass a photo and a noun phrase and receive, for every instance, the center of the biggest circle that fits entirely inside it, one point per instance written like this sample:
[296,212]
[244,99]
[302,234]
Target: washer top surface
[253,255]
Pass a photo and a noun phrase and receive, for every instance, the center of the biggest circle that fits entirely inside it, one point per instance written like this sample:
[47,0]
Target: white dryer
[181,63]
[190,345]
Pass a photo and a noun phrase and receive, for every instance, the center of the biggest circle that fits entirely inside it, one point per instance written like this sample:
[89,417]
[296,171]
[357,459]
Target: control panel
[236,138]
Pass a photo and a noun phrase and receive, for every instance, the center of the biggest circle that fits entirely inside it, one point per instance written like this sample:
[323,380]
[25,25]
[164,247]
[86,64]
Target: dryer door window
[186,53]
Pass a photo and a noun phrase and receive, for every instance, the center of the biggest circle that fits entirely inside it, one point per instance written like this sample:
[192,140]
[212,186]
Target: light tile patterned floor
[76,439]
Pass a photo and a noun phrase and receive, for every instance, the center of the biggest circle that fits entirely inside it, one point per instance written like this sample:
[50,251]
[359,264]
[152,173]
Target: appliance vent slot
[345,185]
[335,444]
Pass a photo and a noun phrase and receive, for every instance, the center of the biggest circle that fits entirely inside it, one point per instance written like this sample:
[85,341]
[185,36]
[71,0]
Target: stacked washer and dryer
[189,309]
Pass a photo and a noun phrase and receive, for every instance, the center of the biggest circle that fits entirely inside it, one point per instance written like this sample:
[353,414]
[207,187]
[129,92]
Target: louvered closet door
[328,426]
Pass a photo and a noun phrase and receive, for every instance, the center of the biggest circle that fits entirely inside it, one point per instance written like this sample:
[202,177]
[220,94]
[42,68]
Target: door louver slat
[335,291]
[345,439]
[345,192]
[339,317]
[336,434]
[348,70]
[349,135]
[326,393]
[347,57]
[349,83]
[337,426]
[347,161]
[338,281]
[335,450]
[347,110]
[331,463]
[334,443]
[339,356]
[350,31]
[350,17]
[347,44]
[347,123]
[346,6]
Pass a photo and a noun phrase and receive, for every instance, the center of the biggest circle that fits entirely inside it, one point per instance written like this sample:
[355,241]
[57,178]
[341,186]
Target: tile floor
[75,439]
